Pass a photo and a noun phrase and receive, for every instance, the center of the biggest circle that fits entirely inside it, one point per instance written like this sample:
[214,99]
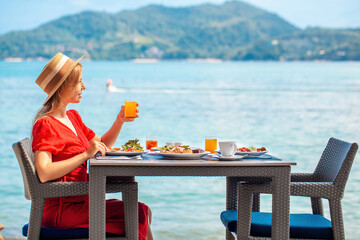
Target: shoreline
[157,60]
[194,60]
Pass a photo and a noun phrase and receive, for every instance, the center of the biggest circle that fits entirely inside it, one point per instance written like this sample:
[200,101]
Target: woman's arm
[48,170]
[109,138]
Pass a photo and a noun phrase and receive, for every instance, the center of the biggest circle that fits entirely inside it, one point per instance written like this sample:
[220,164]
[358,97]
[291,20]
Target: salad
[129,146]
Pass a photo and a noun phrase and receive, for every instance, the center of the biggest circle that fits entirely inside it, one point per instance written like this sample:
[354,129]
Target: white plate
[138,157]
[156,149]
[251,153]
[128,154]
[182,156]
[248,153]
[232,158]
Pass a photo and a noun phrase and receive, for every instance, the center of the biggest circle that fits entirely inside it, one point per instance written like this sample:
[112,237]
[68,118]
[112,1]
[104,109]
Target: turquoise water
[290,108]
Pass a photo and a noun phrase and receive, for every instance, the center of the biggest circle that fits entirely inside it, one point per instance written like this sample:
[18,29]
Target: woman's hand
[121,116]
[109,138]
[95,147]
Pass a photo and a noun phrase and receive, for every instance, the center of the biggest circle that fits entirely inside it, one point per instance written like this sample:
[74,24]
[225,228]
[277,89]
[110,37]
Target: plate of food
[131,148]
[182,153]
[251,151]
[168,147]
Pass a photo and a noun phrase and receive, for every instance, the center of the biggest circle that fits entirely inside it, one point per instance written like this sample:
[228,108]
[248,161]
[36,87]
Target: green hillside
[231,31]
[308,44]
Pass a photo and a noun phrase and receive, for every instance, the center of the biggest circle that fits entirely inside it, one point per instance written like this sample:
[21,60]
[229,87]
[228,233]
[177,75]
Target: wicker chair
[37,192]
[327,181]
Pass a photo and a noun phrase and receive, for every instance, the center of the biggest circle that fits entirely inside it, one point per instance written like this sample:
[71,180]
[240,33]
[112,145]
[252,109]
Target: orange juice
[150,144]
[130,109]
[210,144]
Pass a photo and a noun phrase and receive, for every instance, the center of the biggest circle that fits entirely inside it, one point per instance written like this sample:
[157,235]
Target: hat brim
[61,81]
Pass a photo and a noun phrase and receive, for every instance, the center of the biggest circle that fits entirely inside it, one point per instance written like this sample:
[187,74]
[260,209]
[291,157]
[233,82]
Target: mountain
[231,31]
[308,44]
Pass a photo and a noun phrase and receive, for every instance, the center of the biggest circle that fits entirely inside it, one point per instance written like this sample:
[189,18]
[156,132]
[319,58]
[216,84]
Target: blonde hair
[54,101]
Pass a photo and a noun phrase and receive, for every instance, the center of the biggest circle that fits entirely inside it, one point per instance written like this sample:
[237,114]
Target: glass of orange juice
[210,144]
[151,141]
[130,108]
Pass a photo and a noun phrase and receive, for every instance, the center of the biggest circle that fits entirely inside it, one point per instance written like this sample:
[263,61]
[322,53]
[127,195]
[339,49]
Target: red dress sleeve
[45,137]
[87,131]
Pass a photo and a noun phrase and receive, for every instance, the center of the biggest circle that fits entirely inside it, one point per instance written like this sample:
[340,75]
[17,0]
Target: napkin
[138,157]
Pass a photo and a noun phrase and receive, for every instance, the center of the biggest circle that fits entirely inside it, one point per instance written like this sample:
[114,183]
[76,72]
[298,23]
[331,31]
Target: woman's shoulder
[43,120]
[72,113]
[44,125]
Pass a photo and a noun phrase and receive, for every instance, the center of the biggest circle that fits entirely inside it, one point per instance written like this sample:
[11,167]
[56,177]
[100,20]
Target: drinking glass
[130,108]
[151,141]
[210,144]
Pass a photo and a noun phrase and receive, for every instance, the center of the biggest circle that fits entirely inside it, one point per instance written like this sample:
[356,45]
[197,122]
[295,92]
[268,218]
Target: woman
[62,144]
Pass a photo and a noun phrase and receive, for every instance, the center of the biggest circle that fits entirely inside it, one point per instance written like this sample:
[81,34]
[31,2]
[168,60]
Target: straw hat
[55,73]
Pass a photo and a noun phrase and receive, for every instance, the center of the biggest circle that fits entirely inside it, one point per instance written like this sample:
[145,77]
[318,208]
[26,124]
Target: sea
[291,108]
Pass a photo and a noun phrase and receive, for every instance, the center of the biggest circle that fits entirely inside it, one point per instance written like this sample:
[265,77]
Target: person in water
[109,85]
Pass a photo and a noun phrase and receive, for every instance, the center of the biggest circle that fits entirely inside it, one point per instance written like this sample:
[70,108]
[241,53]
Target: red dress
[49,134]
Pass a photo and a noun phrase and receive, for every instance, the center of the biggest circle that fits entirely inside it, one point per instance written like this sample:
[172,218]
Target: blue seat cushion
[301,225]
[57,233]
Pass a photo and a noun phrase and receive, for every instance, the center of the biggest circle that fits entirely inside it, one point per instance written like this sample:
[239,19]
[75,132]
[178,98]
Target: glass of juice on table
[130,108]
[151,141]
[210,144]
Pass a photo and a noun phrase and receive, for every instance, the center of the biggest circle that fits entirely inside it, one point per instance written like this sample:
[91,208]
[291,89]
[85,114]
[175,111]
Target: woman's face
[72,94]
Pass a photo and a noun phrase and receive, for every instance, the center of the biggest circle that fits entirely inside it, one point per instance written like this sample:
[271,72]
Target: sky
[18,15]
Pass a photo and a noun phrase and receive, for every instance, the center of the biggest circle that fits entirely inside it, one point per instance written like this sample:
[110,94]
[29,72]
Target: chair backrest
[335,162]
[25,156]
